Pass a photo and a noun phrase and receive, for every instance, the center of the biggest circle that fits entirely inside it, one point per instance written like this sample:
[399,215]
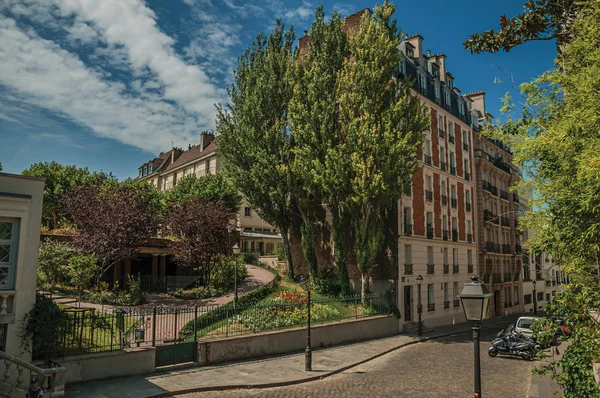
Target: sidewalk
[269,372]
[544,386]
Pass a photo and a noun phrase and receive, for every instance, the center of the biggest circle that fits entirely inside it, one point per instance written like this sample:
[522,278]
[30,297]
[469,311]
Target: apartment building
[256,235]
[499,241]
[20,220]
[436,214]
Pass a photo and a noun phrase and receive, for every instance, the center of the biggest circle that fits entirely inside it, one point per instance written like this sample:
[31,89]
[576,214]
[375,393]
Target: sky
[108,84]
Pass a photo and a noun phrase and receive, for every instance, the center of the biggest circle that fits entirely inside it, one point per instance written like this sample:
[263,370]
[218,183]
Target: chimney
[206,138]
[175,152]
[428,53]
[417,42]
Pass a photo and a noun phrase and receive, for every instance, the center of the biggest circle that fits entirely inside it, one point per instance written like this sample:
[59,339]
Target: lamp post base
[308,360]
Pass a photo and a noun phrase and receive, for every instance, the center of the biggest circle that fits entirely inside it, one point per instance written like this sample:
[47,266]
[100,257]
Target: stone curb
[312,378]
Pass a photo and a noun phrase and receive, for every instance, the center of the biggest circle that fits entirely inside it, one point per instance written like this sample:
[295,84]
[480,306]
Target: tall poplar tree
[254,139]
[382,124]
[320,152]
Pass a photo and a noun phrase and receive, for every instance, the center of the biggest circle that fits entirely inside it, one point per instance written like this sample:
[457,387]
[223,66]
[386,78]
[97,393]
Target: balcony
[455,268]
[453,203]
[453,170]
[465,146]
[499,163]
[470,238]
[506,249]
[445,234]
[407,229]
[492,247]
[490,188]
[470,268]
[430,307]
[505,221]
[455,235]
[451,138]
[446,268]
[430,269]
[446,305]
[442,132]
[456,302]
[427,159]
[444,200]
[430,232]
[429,196]
[503,194]
[408,269]
[467,176]
[496,278]
[443,166]
[6,306]
[490,217]
[468,206]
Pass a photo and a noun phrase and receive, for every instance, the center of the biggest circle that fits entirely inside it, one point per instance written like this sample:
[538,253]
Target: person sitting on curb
[34,390]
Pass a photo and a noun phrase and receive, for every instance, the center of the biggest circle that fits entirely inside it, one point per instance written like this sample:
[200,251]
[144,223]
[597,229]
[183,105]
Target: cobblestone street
[439,368]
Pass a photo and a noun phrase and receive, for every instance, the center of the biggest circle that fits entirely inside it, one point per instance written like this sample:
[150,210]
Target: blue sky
[109,84]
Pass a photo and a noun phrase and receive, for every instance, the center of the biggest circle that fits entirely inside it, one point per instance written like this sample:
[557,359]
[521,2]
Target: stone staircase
[15,375]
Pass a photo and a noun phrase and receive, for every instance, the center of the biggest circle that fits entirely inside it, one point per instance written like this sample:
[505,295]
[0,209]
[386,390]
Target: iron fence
[85,331]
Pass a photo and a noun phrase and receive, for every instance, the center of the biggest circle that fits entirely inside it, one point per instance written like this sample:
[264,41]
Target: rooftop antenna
[172,145]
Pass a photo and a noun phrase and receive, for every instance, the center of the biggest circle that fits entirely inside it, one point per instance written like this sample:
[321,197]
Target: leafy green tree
[212,186]
[540,20]
[254,138]
[60,180]
[555,138]
[81,271]
[382,124]
[53,260]
[320,152]
[1,168]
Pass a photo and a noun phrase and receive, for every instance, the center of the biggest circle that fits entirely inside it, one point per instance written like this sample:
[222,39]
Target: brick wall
[459,150]
[418,198]
[435,153]
[437,209]
[461,210]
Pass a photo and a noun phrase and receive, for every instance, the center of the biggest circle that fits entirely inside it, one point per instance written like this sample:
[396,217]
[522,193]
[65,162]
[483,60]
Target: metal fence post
[195,323]
[154,327]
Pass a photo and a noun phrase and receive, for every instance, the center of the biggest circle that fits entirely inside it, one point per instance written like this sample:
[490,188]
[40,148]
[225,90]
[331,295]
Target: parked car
[560,322]
[523,325]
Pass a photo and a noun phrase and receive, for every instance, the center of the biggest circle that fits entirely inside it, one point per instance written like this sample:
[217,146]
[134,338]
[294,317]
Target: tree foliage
[113,220]
[540,20]
[216,187]
[382,123]
[556,137]
[254,139]
[321,160]
[201,234]
[81,271]
[59,181]
[53,260]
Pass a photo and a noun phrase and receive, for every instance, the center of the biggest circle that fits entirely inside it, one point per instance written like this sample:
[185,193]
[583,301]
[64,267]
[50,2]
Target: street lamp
[305,283]
[419,307]
[475,298]
[534,297]
[236,251]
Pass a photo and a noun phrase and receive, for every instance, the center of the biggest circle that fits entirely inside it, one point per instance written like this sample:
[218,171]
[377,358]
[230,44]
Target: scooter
[509,343]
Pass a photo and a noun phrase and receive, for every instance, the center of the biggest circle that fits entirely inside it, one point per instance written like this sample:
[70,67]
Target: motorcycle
[510,343]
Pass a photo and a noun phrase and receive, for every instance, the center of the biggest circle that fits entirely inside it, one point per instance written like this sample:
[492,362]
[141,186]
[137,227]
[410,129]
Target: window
[407,254]
[422,84]
[429,218]
[401,68]
[452,163]
[441,122]
[9,241]
[407,220]
[446,301]
[465,137]
[468,226]
[430,255]
[468,196]
[248,211]
[516,295]
[437,94]
[455,256]
[430,298]
[447,99]
[540,296]
[470,257]
[455,293]
[410,50]
[207,167]
[443,157]
[450,129]
[527,298]
[445,255]
[461,108]
[453,191]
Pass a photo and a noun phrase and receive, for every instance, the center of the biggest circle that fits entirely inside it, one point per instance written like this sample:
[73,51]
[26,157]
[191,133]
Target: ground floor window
[528,299]
[3,333]
[9,241]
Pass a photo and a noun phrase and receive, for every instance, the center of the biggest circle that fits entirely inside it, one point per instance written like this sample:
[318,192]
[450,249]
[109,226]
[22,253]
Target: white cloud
[8,118]
[52,78]
[302,12]
[83,33]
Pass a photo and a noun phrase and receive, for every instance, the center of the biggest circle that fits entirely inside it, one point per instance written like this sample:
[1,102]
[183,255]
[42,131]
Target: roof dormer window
[410,50]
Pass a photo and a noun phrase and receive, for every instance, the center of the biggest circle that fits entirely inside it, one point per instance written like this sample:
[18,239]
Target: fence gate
[172,345]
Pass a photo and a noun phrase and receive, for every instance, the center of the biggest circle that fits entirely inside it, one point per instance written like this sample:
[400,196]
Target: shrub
[42,328]
[280,253]
[244,301]
[132,296]
[222,274]
[328,283]
[250,259]
[53,261]
[545,331]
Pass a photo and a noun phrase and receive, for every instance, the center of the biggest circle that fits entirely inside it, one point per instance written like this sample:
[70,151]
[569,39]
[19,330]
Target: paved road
[440,368]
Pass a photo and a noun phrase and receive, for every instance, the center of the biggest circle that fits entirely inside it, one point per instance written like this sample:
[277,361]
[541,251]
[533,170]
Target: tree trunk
[364,289]
[339,241]
[288,251]
[308,247]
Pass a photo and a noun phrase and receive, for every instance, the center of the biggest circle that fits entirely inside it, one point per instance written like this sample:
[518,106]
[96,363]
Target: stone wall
[294,340]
